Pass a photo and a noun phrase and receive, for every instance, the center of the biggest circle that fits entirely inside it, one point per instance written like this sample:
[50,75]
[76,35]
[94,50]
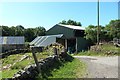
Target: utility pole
[98,23]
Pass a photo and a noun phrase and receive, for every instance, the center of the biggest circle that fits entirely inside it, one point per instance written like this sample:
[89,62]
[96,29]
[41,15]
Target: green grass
[89,53]
[11,59]
[74,69]
[110,47]
[21,65]
[0,75]
[8,73]
[104,48]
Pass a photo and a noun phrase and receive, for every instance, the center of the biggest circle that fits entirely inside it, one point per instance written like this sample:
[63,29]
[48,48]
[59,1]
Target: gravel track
[100,67]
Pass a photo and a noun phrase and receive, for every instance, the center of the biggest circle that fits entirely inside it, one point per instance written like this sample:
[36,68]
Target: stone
[17,75]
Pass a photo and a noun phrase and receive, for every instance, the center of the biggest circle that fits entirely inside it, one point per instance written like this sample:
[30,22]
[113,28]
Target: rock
[28,72]
[7,66]
[24,57]
[26,68]
[17,75]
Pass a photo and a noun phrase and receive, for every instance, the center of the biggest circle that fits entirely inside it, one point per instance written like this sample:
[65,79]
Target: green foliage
[11,59]
[19,30]
[29,34]
[39,31]
[114,28]
[71,22]
[8,73]
[21,64]
[91,33]
[74,69]
[104,49]
[107,33]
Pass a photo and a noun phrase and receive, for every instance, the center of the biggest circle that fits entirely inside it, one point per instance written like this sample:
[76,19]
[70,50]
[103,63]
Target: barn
[68,35]
[11,42]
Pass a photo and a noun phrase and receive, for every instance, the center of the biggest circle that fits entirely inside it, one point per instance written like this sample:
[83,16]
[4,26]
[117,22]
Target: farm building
[68,35]
[11,42]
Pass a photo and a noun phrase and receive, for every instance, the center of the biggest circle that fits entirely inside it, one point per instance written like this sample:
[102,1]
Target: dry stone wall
[31,71]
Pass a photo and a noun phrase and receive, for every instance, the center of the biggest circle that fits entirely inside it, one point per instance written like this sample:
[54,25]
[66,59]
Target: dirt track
[100,67]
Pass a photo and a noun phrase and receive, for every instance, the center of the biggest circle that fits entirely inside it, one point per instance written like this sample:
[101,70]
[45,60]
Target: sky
[47,14]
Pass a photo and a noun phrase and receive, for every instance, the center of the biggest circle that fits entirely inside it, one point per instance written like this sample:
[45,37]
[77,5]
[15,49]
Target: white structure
[11,42]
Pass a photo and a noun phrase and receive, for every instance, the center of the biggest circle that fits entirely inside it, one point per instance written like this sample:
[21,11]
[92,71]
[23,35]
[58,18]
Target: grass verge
[74,69]
[8,73]
[105,50]
[65,70]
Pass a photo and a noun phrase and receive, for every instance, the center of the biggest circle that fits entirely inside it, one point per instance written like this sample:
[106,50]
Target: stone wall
[15,51]
[31,71]
[46,65]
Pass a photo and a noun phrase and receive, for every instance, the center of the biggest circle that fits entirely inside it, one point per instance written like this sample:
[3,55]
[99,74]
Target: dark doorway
[71,43]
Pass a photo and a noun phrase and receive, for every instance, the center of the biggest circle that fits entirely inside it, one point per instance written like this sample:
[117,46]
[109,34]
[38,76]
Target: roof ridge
[72,27]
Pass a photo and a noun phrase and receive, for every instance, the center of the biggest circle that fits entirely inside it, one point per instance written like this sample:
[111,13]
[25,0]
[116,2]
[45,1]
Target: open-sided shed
[73,36]
[68,35]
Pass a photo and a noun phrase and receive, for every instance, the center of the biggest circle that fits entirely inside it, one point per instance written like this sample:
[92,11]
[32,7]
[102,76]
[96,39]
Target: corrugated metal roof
[43,41]
[73,27]
[11,40]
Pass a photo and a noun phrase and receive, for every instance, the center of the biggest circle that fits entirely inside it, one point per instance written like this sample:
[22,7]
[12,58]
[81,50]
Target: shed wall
[68,33]
[82,44]
[7,47]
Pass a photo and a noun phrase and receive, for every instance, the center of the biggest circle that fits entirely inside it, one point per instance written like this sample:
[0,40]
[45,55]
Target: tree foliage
[19,30]
[114,28]
[107,33]
[70,22]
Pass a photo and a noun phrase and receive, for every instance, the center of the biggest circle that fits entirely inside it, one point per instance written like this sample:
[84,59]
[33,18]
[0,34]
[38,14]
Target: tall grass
[65,70]
[74,69]
[104,50]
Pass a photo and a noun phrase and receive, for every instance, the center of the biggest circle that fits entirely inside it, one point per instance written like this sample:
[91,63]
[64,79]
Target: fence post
[35,59]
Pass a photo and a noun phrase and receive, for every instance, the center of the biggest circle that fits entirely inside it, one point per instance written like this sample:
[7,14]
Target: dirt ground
[100,67]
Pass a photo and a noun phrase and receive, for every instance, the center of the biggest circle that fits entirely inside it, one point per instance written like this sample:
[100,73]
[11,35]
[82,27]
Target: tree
[114,28]
[19,31]
[91,32]
[70,22]
[5,30]
[39,31]
[12,31]
[29,34]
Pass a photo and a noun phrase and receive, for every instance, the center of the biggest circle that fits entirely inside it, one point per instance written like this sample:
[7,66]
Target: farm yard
[77,68]
[54,55]
[14,63]
[67,50]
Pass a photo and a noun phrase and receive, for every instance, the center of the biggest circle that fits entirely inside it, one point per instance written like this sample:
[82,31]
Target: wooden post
[55,51]
[76,46]
[66,44]
[35,59]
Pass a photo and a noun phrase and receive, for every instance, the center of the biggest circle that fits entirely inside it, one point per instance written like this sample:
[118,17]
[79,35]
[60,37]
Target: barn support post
[66,44]
[35,59]
[76,46]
